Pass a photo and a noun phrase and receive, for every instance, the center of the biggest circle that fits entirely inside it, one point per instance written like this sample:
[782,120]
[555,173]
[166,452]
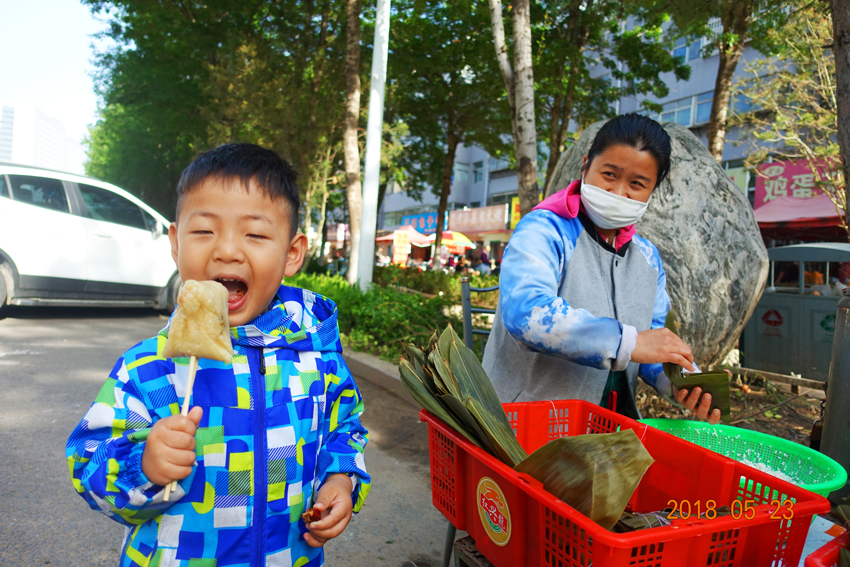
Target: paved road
[52,365]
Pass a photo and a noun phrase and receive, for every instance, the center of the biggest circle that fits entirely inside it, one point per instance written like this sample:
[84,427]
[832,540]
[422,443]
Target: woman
[583,299]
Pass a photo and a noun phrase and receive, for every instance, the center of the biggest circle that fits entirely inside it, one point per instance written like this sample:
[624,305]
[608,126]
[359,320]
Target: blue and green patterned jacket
[277,422]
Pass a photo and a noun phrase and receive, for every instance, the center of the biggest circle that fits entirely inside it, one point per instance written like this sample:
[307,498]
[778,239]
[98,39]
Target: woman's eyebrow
[611,165]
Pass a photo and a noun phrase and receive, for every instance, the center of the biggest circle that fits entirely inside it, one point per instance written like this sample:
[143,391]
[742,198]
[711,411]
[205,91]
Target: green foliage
[436,283]
[792,105]
[380,320]
[187,77]
[445,85]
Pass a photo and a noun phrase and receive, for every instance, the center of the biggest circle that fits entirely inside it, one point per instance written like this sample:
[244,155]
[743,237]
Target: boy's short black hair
[272,173]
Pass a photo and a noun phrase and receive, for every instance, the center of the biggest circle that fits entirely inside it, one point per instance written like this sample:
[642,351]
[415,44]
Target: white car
[73,240]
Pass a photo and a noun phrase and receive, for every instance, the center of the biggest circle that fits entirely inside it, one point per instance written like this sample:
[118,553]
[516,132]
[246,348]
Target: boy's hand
[334,502]
[170,449]
[691,402]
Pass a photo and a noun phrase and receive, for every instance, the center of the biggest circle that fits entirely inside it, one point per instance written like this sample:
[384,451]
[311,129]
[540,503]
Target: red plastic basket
[514,521]
[827,556]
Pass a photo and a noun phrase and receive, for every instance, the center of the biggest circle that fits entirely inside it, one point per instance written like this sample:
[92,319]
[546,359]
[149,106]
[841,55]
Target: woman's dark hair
[636,131]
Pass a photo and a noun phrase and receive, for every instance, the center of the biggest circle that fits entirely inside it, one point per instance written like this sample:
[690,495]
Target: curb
[378,372]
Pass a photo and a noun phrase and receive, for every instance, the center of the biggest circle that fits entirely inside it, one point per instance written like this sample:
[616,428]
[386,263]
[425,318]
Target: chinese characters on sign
[481,219]
[426,223]
[786,179]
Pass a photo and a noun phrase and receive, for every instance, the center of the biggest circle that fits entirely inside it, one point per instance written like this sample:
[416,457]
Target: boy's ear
[172,237]
[295,256]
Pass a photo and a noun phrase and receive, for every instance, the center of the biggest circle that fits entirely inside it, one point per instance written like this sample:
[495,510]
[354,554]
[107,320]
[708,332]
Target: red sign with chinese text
[793,179]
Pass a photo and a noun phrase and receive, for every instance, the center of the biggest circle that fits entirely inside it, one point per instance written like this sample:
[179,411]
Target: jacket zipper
[260,485]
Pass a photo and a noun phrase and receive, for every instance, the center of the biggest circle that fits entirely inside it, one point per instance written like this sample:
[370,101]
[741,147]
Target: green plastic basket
[806,467]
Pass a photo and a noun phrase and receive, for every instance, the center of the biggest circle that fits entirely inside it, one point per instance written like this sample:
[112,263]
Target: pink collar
[566,203]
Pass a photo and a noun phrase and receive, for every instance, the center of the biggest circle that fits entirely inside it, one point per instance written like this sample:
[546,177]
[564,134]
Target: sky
[46,59]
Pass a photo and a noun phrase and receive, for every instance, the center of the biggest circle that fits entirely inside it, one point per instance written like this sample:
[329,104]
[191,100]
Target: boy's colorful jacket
[571,306]
[277,422]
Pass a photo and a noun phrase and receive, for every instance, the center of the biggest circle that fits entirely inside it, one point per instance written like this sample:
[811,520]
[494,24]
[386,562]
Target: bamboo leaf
[714,383]
[596,474]
[423,397]
[506,448]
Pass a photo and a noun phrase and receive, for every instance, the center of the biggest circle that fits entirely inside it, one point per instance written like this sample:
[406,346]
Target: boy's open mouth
[236,290]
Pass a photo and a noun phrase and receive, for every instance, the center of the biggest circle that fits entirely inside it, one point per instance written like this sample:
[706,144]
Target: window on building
[462,172]
[393,219]
[703,107]
[474,204]
[688,111]
[4,189]
[678,111]
[502,198]
[39,191]
[695,50]
[499,163]
[107,206]
[478,172]
[742,104]
[680,49]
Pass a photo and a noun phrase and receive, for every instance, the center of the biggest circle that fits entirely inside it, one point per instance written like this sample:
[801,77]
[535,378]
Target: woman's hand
[691,401]
[662,345]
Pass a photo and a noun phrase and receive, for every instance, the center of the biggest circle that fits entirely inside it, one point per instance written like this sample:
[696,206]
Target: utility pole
[374,133]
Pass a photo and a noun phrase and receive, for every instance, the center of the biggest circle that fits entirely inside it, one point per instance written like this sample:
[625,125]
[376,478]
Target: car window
[150,222]
[110,207]
[4,189]
[39,191]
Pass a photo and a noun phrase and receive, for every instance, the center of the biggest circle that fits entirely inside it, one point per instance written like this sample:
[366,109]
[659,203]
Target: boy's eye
[258,236]
[201,232]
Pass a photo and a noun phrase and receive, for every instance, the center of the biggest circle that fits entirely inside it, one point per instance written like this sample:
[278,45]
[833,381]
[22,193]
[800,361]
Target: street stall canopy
[455,242]
[413,237]
[789,204]
[815,218]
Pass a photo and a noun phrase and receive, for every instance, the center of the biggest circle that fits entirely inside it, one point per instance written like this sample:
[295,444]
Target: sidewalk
[398,522]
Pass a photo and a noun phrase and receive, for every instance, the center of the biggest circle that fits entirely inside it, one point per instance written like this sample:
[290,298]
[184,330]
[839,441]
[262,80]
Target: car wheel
[172,293]
[3,291]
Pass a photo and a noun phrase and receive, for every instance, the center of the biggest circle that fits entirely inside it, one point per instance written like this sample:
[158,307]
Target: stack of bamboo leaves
[595,474]
[714,383]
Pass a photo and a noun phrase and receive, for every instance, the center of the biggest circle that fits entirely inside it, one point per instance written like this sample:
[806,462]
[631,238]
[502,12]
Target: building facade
[482,180]
[28,136]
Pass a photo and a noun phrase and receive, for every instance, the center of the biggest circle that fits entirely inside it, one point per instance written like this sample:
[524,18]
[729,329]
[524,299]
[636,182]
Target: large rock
[709,241]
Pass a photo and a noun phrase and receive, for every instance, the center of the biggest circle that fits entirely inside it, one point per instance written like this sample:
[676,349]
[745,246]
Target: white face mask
[608,210]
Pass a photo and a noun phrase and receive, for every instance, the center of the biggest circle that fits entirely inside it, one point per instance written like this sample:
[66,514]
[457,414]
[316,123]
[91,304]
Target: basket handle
[612,401]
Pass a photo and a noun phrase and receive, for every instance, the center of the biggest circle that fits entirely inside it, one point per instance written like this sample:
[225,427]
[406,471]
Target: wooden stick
[193,368]
[745,418]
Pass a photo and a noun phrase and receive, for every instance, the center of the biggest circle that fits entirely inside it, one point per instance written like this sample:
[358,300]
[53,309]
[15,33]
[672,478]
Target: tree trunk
[498,25]
[841,49]
[351,150]
[525,140]
[382,191]
[445,190]
[735,17]
[558,129]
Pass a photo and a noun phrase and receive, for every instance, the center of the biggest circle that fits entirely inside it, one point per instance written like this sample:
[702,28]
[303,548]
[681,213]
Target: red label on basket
[493,511]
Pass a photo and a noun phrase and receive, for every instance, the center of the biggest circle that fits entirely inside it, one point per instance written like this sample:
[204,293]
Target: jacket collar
[566,203]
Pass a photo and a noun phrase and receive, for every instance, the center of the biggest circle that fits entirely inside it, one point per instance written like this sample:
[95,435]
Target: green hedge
[380,320]
[437,282]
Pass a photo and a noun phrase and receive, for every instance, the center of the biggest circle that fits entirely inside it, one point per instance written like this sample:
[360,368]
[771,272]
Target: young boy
[270,434]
